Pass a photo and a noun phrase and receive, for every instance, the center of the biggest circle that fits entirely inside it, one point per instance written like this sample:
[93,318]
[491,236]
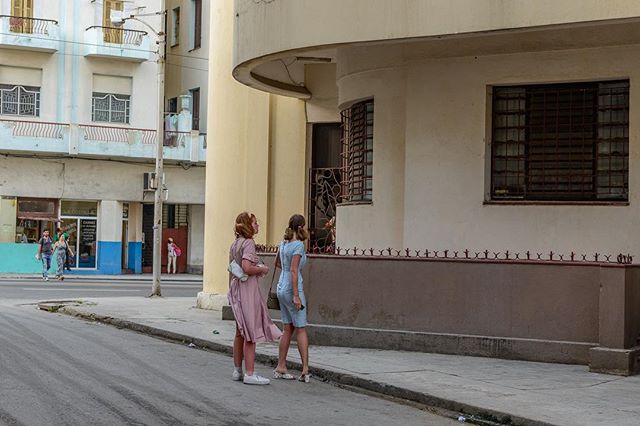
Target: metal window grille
[357,152]
[110,108]
[19,100]
[561,142]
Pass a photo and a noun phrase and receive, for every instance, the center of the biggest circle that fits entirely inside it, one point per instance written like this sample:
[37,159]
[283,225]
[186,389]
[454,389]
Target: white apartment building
[78,119]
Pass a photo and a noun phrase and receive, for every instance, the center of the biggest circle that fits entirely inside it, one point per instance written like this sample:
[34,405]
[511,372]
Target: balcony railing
[174,139]
[121,35]
[117,134]
[26,25]
[36,129]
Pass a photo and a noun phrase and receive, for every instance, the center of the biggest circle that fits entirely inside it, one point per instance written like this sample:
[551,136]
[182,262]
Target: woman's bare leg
[303,348]
[283,348]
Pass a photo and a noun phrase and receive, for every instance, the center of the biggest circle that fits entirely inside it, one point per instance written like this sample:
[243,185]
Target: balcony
[20,32]
[97,141]
[117,43]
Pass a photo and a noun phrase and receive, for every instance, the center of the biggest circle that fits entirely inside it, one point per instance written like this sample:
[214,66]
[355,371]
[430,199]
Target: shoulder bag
[235,266]
[272,297]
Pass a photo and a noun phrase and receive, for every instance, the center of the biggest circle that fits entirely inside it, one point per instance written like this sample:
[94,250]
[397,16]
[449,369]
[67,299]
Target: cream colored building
[479,124]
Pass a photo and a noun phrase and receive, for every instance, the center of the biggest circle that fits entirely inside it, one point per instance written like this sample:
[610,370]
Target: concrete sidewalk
[124,277]
[519,392]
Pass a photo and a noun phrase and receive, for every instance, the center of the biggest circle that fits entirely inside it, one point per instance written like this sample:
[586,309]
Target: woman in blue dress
[291,297]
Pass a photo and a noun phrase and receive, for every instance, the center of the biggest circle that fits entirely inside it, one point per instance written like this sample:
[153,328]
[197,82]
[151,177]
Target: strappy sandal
[305,378]
[283,376]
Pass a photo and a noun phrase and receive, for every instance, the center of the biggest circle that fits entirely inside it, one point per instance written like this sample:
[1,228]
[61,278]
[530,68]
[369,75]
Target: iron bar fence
[37,129]
[27,25]
[468,255]
[121,35]
[117,134]
[175,139]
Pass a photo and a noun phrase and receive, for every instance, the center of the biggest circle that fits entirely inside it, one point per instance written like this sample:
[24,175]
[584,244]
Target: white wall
[187,68]
[94,180]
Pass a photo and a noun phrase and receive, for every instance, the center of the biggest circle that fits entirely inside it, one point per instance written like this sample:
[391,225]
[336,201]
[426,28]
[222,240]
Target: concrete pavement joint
[379,388]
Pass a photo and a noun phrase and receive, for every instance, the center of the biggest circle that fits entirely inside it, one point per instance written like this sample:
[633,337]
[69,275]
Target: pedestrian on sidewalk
[45,251]
[56,237]
[61,248]
[253,324]
[172,255]
[292,259]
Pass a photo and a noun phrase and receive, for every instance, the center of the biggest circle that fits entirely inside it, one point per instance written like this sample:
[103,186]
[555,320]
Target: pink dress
[247,302]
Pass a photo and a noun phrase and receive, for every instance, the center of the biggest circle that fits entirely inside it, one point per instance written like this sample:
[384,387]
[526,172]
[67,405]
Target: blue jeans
[46,264]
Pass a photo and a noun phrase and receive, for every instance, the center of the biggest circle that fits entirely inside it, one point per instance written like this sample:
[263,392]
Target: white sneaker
[46,278]
[255,380]
[237,376]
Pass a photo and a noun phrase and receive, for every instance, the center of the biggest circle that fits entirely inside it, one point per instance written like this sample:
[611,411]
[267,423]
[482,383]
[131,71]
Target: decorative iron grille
[38,129]
[325,187]
[19,100]
[110,108]
[26,25]
[117,134]
[121,35]
[357,152]
[561,142]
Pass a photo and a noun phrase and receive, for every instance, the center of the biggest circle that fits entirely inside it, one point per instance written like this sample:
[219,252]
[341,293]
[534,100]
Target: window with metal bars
[110,108]
[19,100]
[561,142]
[357,152]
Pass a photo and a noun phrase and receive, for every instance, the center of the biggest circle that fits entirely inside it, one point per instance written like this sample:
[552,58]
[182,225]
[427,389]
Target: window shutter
[197,30]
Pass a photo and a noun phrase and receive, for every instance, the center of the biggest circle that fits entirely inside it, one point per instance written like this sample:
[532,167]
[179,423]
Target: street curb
[328,375]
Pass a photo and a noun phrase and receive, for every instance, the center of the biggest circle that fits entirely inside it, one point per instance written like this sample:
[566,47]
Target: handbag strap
[274,268]
[239,251]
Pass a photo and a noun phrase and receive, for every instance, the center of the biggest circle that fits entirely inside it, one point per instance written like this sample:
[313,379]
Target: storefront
[33,217]
[79,220]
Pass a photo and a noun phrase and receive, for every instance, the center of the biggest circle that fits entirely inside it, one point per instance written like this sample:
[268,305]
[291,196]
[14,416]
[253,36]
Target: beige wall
[8,220]
[446,156]
[379,224]
[256,163]
[271,27]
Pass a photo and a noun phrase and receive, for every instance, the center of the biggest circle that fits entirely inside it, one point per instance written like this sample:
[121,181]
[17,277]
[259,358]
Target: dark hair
[296,226]
[244,225]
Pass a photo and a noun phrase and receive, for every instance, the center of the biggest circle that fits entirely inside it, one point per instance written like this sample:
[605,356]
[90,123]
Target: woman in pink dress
[253,323]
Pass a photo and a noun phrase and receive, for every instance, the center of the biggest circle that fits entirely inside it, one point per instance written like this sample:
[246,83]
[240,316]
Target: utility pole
[157,205]
[118,19]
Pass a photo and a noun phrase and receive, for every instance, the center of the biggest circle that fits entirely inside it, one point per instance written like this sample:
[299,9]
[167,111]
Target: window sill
[355,203]
[554,203]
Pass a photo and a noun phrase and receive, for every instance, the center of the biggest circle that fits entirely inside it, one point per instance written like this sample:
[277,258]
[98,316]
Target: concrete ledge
[452,344]
[211,301]
[622,362]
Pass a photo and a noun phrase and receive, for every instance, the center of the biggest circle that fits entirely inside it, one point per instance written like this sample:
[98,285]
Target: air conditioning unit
[150,183]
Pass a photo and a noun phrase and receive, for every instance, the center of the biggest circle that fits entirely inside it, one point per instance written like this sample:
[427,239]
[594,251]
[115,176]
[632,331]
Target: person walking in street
[172,255]
[253,324]
[292,259]
[60,248]
[45,251]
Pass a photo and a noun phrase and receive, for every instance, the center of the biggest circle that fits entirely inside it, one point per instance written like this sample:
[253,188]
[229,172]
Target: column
[243,124]
[134,253]
[109,237]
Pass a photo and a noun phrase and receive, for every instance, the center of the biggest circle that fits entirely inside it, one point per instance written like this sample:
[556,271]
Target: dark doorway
[147,230]
[324,185]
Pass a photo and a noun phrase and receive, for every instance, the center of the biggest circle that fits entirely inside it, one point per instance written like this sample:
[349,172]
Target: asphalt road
[77,287]
[58,370]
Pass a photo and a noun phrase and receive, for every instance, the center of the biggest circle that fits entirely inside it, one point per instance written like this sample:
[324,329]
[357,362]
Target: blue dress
[288,312]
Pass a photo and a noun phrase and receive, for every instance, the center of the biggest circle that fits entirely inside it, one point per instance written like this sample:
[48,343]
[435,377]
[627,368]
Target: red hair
[244,225]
